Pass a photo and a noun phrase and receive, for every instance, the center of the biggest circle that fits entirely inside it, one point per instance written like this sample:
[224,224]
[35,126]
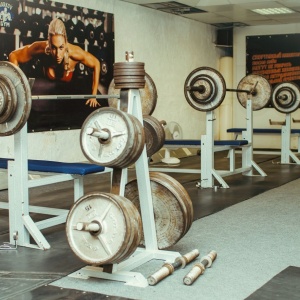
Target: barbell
[16,98]
[205,89]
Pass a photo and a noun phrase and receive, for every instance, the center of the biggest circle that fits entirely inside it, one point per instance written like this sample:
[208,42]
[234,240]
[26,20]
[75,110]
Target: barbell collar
[70,97]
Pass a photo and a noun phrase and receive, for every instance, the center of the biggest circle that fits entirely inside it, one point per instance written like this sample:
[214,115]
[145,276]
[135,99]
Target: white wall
[170,46]
[261,117]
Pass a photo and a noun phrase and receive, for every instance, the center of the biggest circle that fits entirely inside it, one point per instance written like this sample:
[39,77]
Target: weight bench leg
[78,188]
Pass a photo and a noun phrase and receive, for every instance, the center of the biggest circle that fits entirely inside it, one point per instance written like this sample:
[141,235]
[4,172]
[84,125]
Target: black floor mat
[284,285]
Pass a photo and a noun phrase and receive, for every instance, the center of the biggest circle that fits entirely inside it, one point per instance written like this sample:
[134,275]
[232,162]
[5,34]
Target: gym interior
[149,150]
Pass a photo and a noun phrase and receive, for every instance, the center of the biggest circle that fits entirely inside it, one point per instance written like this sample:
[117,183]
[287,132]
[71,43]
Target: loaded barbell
[205,89]
[16,98]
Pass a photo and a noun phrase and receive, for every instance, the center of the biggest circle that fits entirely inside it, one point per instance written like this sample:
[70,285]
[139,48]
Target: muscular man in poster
[59,57]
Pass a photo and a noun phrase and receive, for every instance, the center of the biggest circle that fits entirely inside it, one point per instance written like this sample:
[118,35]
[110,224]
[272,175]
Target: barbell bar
[16,98]
[205,89]
[70,97]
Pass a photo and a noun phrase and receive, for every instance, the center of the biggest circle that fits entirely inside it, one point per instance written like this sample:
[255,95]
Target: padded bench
[57,167]
[220,144]
[262,130]
[47,172]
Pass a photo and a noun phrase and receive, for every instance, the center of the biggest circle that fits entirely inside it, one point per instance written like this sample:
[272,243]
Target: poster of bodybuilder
[63,50]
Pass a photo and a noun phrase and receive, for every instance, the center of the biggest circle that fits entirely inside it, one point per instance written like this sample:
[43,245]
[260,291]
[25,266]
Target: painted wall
[170,46]
[261,117]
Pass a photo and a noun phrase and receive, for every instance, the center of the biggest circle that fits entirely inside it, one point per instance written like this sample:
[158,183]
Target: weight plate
[209,89]
[8,99]
[124,138]
[261,91]
[148,95]
[286,97]
[119,228]
[23,97]
[154,135]
[129,65]
[172,212]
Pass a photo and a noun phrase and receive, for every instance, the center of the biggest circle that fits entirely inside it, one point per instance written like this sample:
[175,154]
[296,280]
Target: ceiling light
[273,11]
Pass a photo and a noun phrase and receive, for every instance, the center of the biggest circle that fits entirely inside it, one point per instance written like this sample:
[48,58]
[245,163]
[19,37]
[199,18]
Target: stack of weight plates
[129,75]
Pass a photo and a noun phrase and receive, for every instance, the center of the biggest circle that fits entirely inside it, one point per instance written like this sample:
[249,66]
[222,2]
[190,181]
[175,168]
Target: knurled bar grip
[199,268]
[169,268]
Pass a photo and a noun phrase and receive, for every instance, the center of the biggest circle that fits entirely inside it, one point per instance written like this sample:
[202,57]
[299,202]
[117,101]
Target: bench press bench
[185,143]
[286,133]
[209,146]
[47,172]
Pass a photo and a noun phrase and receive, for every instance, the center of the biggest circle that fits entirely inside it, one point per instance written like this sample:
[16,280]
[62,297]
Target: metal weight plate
[17,85]
[154,135]
[261,91]
[286,97]
[119,150]
[148,95]
[172,209]
[205,89]
[103,228]
[8,99]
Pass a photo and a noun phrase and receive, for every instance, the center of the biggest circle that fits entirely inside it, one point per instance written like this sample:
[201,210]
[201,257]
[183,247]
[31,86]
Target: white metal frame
[208,171]
[286,153]
[20,221]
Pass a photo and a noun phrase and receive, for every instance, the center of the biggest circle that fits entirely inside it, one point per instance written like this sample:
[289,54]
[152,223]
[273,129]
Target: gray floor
[27,273]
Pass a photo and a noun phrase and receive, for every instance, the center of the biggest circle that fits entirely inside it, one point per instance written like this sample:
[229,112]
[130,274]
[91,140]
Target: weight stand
[122,271]
[208,172]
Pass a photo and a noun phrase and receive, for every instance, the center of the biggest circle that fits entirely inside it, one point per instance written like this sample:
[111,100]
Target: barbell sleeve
[201,89]
[199,268]
[92,227]
[102,134]
[168,268]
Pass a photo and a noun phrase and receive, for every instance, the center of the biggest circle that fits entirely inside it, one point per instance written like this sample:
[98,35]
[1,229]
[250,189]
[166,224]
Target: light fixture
[273,11]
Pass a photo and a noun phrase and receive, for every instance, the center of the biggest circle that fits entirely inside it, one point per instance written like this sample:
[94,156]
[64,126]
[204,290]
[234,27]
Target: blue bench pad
[262,130]
[58,167]
[198,142]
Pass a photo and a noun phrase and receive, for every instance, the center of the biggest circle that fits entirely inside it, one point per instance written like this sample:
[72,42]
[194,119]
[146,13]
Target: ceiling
[226,13]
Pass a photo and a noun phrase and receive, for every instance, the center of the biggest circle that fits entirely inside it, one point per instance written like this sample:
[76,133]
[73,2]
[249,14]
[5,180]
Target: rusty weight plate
[172,212]
[205,89]
[126,138]
[148,95]
[286,97]
[154,134]
[260,91]
[119,231]
[15,109]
